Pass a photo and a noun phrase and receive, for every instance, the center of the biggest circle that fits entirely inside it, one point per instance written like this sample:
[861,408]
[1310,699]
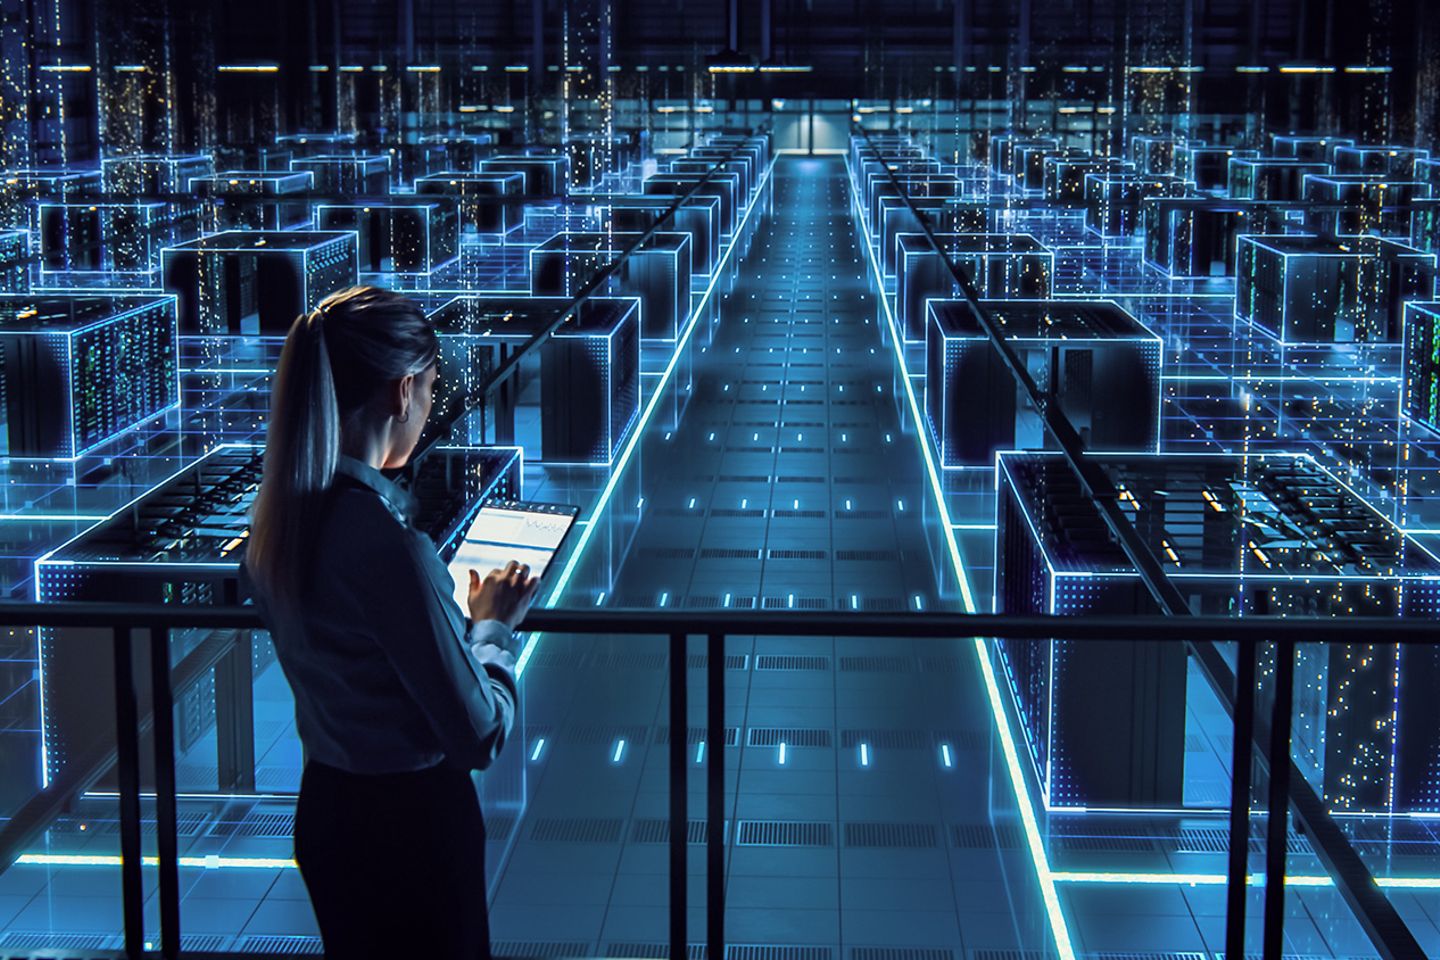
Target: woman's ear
[402,397]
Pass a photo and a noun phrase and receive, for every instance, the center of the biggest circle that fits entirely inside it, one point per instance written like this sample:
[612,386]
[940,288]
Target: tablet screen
[506,530]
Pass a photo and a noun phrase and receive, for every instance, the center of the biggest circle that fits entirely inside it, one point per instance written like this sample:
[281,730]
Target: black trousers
[394,863]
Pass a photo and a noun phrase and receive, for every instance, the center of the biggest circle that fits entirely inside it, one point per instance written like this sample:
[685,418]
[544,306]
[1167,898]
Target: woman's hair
[335,360]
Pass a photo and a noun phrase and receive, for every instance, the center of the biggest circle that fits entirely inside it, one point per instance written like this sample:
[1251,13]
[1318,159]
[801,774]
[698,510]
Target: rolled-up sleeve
[469,703]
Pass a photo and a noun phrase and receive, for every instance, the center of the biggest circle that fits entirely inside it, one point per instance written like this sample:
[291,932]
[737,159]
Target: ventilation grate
[901,953]
[790,736]
[876,664]
[577,830]
[499,828]
[281,945]
[733,661]
[268,826]
[796,554]
[658,831]
[785,833]
[592,734]
[773,952]
[891,835]
[790,661]
[1115,844]
[728,553]
[693,735]
[983,836]
[37,940]
[651,951]
[539,949]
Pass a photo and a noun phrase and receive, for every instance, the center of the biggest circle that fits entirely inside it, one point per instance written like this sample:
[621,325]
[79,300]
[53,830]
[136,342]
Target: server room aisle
[865,785]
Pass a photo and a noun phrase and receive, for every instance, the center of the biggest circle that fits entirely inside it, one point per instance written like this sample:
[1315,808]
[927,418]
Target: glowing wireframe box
[1154,154]
[658,273]
[679,184]
[257,281]
[877,170]
[181,543]
[1308,289]
[913,186]
[1374,204]
[1237,536]
[1385,161]
[589,369]
[945,215]
[20,190]
[316,144]
[81,370]
[746,161]
[1266,178]
[398,234]
[1319,149]
[758,144]
[1425,225]
[464,150]
[698,216]
[489,202]
[731,171]
[1097,361]
[153,175]
[255,199]
[1065,176]
[1427,171]
[123,237]
[254,157]
[1030,161]
[1420,369]
[14,261]
[547,176]
[355,175]
[1208,167]
[1004,151]
[1189,237]
[1112,200]
[1001,265]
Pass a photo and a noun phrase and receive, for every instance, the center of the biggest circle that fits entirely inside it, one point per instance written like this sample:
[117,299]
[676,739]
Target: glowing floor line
[639,430]
[1058,927]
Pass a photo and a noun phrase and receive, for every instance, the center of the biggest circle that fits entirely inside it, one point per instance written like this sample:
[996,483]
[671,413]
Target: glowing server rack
[491,203]
[1425,225]
[547,176]
[356,175]
[1065,176]
[14,261]
[1159,155]
[946,215]
[1371,204]
[1308,289]
[1190,237]
[735,172]
[1005,149]
[658,273]
[913,185]
[81,370]
[257,281]
[678,184]
[1420,367]
[181,543]
[111,239]
[1100,364]
[1238,536]
[1380,160]
[1032,160]
[255,199]
[1112,200]
[149,175]
[1002,265]
[1208,168]
[1294,147]
[398,234]
[699,217]
[1268,178]
[589,370]
[21,190]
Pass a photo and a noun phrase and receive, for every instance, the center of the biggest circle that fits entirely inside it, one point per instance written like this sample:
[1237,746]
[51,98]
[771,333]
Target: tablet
[506,530]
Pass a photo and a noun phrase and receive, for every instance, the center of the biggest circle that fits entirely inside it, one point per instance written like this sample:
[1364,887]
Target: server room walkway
[864,784]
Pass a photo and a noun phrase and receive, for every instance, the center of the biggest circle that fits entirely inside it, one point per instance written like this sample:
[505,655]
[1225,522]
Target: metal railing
[678,626]
[1253,736]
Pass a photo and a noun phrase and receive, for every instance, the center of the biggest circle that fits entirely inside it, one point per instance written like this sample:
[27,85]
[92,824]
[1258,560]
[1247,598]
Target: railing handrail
[918,625]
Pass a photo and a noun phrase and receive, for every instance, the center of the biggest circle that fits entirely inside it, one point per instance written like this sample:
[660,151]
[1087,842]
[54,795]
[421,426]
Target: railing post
[166,816]
[127,753]
[715,798]
[679,797]
[1241,759]
[1277,836]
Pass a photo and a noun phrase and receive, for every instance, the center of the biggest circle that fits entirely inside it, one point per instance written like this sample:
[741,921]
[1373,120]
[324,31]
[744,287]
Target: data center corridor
[865,782]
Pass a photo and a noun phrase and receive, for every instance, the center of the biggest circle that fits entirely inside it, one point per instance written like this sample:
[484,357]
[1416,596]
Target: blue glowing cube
[1001,265]
[489,202]
[589,370]
[1237,536]
[1112,200]
[21,190]
[1372,204]
[398,234]
[547,175]
[1420,395]
[1155,154]
[1031,160]
[944,214]
[1097,361]
[679,184]
[1208,167]
[1320,149]
[355,175]
[1308,289]
[81,370]
[698,216]
[464,151]
[153,175]
[915,186]
[14,261]
[1265,178]
[255,199]
[1065,176]
[1005,151]
[1425,225]
[1189,237]
[658,273]
[1385,161]
[257,281]
[112,237]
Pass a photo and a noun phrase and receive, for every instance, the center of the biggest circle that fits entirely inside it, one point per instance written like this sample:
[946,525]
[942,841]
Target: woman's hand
[503,595]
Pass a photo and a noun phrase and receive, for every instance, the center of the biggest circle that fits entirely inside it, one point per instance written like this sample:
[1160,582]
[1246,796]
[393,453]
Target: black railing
[1254,737]
[123,619]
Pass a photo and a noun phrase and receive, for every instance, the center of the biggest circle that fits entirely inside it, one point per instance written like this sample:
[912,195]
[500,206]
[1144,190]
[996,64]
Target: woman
[397,694]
